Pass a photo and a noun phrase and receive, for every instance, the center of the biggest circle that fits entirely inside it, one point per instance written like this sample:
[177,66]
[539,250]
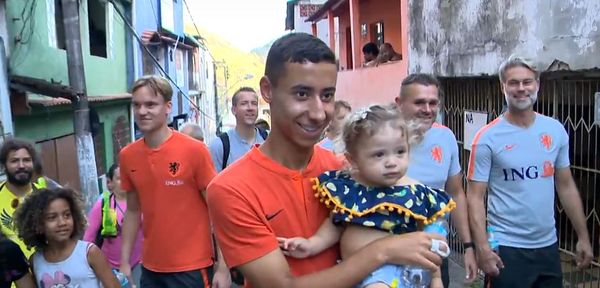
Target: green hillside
[240,63]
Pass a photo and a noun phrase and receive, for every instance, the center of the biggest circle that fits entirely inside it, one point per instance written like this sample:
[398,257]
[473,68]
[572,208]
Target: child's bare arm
[101,268]
[436,279]
[297,247]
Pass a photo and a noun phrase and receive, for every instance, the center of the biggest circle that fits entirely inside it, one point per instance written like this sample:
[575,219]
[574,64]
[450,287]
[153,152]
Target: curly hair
[29,217]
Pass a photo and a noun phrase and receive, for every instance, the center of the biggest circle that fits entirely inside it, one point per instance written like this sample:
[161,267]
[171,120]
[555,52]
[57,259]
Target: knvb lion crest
[173,168]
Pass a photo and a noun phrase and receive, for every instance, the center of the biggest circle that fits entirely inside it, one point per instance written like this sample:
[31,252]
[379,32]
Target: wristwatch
[467,245]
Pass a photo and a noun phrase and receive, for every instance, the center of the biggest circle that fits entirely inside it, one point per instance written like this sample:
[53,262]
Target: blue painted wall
[149,19]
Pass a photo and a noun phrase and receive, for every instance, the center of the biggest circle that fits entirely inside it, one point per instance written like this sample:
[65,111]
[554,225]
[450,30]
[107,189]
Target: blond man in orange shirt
[165,175]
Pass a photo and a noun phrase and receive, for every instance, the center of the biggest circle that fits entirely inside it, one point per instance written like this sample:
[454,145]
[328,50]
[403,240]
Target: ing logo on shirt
[173,168]
[437,153]
[546,141]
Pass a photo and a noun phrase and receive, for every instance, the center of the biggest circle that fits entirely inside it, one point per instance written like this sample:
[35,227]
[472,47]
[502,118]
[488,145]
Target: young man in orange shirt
[165,174]
[268,193]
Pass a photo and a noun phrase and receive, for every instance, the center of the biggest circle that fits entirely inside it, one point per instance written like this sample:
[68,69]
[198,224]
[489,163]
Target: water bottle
[419,277]
[492,241]
[121,278]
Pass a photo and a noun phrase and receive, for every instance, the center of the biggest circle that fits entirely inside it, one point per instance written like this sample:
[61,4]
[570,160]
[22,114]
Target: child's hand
[436,282]
[296,247]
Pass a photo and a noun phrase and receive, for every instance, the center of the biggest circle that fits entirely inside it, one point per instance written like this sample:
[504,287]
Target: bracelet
[468,245]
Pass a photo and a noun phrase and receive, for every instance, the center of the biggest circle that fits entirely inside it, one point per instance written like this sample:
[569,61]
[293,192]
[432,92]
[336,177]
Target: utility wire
[156,62]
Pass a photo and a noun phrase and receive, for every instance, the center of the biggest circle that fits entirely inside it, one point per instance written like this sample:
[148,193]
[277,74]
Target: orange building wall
[372,11]
[364,86]
[389,13]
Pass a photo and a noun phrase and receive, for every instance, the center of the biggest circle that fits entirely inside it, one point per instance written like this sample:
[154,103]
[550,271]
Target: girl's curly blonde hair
[367,121]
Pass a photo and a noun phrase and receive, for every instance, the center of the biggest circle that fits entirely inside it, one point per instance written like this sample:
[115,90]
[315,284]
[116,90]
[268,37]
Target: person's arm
[571,202]
[16,263]
[101,268]
[272,270]
[480,166]
[94,221]
[25,282]
[216,153]
[249,244]
[131,224]
[489,262]
[298,247]
[460,216]
[460,219]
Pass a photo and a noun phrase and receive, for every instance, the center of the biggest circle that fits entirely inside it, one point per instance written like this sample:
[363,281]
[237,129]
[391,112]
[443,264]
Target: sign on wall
[307,10]
[473,120]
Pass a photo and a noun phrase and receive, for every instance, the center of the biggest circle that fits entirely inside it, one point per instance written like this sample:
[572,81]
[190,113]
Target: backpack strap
[263,133]
[226,147]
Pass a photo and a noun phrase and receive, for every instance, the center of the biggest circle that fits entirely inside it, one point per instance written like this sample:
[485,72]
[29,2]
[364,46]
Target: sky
[247,24]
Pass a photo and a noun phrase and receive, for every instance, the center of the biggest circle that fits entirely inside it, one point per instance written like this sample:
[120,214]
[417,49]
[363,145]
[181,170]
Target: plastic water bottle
[121,278]
[492,241]
[419,277]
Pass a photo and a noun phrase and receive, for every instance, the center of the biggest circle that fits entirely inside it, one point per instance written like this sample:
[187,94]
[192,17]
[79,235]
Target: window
[192,69]
[377,33]
[59,25]
[97,28]
[147,62]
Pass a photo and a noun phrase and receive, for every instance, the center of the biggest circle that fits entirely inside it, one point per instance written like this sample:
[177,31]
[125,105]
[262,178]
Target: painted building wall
[381,84]
[371,12]
[149,17]
[207,102]
[34,51]
[491,30]
[34,127]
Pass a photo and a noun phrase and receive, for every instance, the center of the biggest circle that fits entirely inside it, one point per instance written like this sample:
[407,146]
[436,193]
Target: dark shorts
[200,278]
[527,268]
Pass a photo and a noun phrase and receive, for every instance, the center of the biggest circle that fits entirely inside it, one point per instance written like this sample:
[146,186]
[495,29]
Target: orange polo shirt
[257,199]
[169,181]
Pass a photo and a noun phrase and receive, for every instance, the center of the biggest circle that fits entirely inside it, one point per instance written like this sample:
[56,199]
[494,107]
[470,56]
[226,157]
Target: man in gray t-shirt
[522,159]
[244,106]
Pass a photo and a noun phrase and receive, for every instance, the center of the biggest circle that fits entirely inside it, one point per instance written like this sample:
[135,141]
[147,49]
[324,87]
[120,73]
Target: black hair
[371,48]
[295,48]
[242,89]
[15,144]
[110,174]
[29,216]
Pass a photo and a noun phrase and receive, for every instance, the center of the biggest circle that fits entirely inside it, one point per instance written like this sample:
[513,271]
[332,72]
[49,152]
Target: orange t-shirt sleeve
[242,233]
[204,171]
[126,183]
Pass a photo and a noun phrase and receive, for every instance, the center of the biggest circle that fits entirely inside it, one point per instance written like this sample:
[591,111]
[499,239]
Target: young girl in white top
[374,199]
[52,221]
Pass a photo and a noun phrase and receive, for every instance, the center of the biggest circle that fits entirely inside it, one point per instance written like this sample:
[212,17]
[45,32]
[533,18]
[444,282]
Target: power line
[156,62]
[195,26]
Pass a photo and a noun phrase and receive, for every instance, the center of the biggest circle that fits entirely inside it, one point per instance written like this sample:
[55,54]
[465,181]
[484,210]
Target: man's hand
[584,253]
[125,268]
[470,266]
[296,247]
[412,249]
[489,262]
[222,278]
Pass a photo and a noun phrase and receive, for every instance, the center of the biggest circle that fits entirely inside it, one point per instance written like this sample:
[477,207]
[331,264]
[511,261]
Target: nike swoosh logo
[271,216]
